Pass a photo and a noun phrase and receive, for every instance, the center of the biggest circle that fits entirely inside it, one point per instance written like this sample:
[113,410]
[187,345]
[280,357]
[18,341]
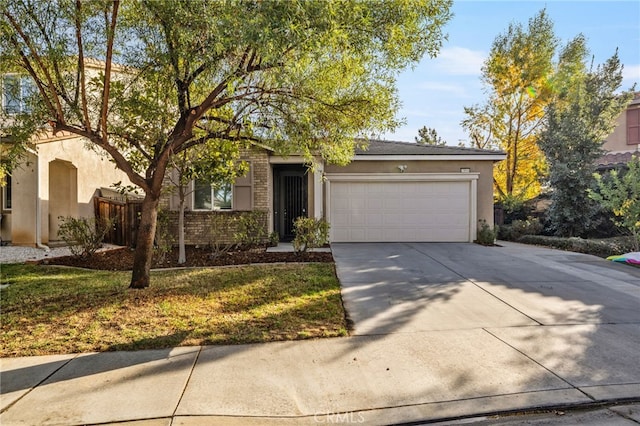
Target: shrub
[310,233]
[603,248]
[252,230]
[83,235]
[218,230]
[518,228]
[274,239]
[486,235]
[514,208]
[621,195]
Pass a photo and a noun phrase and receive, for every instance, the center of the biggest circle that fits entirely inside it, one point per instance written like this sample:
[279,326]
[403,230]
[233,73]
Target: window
[6,194]
[223,197]
[633,126]
[16,91]
[212,197]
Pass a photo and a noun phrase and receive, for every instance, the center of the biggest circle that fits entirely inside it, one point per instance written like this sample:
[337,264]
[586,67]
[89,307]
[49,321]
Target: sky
[435,92]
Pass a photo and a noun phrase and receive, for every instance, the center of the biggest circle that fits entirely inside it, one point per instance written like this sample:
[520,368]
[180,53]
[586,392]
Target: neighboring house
[390,192]
[624,142]
[59,177]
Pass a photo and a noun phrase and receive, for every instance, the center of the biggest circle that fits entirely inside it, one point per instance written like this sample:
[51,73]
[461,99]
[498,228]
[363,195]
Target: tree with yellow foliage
[517,76]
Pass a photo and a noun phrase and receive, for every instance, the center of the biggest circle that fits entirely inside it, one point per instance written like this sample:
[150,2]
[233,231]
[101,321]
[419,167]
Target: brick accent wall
[198,224]
[259,159]
[199,227]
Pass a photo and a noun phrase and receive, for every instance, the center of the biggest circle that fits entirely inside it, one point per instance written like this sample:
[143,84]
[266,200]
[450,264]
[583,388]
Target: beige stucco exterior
[616,142]
[59,178]
[261,182]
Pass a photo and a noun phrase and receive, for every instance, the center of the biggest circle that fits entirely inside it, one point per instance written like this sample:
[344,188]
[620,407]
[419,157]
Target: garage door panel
[375,219]
[382,211]
[375,203]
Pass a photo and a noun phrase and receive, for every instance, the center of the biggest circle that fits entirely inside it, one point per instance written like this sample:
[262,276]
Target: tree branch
[32,72]
[135,143]
[111,28]
[56,69]
[57,110]
[122,163]
[81,69]
[224,135]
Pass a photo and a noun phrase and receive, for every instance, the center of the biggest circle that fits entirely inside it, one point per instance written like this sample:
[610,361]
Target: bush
[83,235]
[486,235]
[274,239]
[310,233]
[620,193]
[518,228]
[218,229]
[252,230]
[603,248]
[514,209]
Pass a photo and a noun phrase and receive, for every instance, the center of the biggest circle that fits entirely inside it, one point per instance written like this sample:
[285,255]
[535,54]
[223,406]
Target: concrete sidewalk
[387,380]
[435,338]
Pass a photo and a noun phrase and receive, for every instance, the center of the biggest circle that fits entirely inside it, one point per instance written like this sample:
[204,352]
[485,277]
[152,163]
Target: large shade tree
[303,76]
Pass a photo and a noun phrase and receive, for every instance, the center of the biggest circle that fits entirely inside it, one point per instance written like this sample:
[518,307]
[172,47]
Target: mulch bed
[121,259]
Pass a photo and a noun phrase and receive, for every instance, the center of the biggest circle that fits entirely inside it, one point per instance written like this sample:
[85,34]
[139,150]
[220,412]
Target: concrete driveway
[409,287]
[576,316]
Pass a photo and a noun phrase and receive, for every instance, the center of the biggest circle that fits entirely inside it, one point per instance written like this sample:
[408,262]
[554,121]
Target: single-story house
[390,192]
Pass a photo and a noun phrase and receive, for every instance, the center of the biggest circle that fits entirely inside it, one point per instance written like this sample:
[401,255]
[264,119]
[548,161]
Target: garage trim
[471,178]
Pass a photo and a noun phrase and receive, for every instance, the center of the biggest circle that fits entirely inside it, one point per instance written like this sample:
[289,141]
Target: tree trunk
[182,256]
[144,244]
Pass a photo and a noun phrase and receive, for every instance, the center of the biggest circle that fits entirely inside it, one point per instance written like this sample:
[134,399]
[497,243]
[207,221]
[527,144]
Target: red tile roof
[613,160]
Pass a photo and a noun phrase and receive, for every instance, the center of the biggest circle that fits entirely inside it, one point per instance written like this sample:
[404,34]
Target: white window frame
[25,87]
[214,189]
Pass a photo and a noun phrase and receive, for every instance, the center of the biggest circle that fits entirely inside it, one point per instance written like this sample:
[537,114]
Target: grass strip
[51,310]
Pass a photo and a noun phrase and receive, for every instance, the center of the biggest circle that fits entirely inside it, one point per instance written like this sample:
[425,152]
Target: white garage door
[396,211]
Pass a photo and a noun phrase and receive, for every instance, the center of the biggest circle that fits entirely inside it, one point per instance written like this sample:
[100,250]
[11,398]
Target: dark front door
[289,198]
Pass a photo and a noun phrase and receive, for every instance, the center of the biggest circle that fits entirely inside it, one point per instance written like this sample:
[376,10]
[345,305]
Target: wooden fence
[126,217]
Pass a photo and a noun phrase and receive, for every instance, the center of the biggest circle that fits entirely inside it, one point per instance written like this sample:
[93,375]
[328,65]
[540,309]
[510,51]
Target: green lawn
[52,310]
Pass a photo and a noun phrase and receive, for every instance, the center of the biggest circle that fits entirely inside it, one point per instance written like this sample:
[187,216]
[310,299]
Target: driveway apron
[576,315]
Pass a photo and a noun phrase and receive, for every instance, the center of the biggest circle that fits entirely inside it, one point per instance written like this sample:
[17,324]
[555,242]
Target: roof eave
[427,157]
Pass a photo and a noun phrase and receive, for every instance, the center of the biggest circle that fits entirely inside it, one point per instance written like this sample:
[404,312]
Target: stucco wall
[68,177]
[22,217]
[617,140]
[485,181]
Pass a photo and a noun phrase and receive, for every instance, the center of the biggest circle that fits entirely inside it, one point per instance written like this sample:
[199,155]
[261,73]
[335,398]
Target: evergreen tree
[429,136]
[578,121]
